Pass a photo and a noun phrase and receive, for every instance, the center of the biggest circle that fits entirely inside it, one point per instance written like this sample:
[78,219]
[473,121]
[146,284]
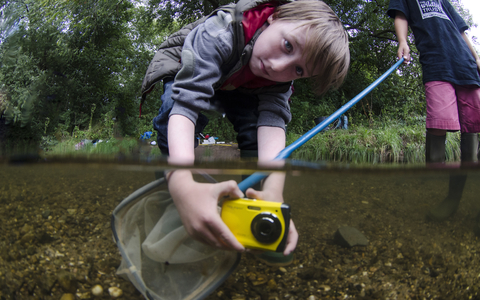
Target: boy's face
[277,53]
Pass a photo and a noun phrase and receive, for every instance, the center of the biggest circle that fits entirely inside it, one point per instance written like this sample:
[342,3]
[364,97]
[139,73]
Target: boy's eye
[288,46]
[299,71]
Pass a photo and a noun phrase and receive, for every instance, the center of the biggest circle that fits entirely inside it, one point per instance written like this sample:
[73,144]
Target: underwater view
[363,232]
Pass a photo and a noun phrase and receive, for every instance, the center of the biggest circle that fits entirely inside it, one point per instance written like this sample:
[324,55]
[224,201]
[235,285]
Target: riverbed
[56,236]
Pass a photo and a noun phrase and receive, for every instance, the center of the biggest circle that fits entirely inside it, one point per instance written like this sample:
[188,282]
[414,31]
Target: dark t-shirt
[437,28]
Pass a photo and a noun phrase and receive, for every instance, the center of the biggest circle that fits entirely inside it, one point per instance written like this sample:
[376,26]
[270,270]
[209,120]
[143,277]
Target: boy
[450,69]
[241,59]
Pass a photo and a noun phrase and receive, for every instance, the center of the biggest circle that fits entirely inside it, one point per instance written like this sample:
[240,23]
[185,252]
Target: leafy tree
[67,63]
[184,12]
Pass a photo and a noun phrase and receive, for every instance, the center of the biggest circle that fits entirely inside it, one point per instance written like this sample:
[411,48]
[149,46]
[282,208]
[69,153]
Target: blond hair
[326,48]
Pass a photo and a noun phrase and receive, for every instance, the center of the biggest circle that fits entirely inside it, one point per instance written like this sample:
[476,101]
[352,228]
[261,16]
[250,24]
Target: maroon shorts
[453,107]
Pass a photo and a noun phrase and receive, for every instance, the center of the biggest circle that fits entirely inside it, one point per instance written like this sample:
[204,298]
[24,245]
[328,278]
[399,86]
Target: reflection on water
[55,235]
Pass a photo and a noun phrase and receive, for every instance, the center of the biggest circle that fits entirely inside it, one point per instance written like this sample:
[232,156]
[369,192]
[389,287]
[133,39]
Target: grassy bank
[385,144]
[104,148]
[358,144]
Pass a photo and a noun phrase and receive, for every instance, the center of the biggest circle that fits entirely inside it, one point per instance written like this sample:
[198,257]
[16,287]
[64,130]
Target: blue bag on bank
[146,135]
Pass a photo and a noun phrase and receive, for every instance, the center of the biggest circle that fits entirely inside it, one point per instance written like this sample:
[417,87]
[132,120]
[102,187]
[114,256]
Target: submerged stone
[349,237]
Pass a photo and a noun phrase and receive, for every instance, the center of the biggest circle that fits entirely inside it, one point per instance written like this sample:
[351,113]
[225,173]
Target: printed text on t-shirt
[431,8]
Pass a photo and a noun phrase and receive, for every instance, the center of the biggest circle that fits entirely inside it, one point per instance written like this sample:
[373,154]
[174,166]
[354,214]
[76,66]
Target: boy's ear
[270,19]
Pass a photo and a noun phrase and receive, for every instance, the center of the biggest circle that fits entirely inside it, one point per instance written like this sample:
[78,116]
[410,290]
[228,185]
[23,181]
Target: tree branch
[215,4]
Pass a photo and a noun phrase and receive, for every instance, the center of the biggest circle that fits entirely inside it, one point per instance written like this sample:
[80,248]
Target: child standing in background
[450,69]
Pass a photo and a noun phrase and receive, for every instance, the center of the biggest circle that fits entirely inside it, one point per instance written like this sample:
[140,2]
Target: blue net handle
[285,153]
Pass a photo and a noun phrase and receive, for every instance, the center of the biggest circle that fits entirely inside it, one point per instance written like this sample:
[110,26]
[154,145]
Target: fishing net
[158,256]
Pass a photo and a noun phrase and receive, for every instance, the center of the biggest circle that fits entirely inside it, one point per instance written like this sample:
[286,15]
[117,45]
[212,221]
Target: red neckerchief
[253,19]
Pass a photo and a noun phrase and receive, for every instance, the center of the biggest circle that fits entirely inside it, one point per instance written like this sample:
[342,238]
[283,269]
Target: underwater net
[158,256]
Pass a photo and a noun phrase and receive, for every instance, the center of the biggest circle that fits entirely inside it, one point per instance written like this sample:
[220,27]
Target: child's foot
[443,210]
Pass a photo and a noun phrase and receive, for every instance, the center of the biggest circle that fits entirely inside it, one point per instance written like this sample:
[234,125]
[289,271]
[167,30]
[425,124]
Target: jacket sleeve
[205,50]
[274,109]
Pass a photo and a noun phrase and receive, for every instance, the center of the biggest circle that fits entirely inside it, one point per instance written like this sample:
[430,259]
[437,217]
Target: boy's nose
[280,65]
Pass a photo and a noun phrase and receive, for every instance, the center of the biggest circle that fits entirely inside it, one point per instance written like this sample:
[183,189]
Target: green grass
[381,144]
[107,148]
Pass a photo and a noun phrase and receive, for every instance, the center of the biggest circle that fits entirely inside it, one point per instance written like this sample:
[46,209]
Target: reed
[111,147]
[390,143]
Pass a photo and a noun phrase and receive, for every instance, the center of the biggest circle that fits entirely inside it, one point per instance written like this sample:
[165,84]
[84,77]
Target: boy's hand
[197,205]
[404,51]
[273,195]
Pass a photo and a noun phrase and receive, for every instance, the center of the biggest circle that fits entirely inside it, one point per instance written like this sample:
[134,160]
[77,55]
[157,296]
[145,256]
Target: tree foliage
[64,63]
[69,65]
[169,11]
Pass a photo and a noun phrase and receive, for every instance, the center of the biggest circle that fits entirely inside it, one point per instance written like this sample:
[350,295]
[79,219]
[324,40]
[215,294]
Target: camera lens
[266,228]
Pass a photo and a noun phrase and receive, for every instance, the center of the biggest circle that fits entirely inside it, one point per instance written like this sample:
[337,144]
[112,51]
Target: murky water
[56,225]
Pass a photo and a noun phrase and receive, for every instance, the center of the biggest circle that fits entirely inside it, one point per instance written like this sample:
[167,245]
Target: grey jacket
[166,62]
[211,50]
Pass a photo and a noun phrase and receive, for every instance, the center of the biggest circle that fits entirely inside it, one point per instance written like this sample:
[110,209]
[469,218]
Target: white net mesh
[158,256]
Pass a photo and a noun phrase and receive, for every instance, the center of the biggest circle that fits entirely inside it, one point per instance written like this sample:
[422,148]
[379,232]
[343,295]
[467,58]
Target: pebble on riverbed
[97,290]
[67,296]
[115,292]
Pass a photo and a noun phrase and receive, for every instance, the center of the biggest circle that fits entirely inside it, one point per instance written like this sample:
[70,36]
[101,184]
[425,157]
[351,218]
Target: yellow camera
[258,224]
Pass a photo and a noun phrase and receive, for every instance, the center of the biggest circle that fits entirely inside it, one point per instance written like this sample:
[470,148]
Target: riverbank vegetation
[383,143]
[72,70]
